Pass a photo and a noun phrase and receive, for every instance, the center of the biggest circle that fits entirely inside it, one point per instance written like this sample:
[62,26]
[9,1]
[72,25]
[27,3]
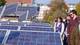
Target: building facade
[19,1]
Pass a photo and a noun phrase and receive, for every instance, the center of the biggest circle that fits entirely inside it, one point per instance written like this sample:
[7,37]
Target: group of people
[68,28]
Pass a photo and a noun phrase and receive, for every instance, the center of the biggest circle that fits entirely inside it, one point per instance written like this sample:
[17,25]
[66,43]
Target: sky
[72,1]
[48,1]
[42,1]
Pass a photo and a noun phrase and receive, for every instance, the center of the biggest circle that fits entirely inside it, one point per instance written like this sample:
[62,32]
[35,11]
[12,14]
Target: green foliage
[78,9]
[57,9]
[48,18]
[2,2]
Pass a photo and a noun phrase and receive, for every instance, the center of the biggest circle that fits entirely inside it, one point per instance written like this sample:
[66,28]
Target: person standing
[65,32]
[72,28]
[59,27]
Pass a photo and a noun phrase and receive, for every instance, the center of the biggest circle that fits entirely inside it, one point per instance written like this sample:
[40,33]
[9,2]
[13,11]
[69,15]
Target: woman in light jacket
[59,27]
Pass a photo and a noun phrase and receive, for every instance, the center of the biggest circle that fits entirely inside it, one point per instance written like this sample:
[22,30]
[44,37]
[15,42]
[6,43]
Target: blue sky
[72,1]
[42,1]
[48,1]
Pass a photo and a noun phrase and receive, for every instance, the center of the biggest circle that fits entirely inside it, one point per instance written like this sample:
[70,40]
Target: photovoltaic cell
[1,9]
[32,11]
[2,34]
[38,24]
[11,23]
[10,9]
[33,38]
[8,27]
[14,26]
[26,24]
[36,28]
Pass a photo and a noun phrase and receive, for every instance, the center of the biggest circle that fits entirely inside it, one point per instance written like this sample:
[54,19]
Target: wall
[20,1]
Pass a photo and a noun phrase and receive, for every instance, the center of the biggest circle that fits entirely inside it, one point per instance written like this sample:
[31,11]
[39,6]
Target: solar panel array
[31,34]
[32,11]
[33,38]
[14,9]
[18,33]
[10,9]
[1,9]
[25,26]
[8,27]
[2,34]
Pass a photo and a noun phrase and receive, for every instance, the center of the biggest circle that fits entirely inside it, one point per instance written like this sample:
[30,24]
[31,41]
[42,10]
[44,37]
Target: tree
[2,2]
[78,9]
[58,8]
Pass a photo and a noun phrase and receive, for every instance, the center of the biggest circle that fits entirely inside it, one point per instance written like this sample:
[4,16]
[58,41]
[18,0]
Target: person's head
[73,13]
[59,19]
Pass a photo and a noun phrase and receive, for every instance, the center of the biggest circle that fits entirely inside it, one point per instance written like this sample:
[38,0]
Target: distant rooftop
[20,1]
[44,2]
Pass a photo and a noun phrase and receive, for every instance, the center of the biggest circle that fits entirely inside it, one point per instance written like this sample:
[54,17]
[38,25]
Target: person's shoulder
[62,23]
[78,17]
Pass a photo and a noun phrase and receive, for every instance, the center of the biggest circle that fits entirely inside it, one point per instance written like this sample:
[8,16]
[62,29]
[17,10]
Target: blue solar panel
[26,24]
[11,23]
[20,8]
[8,27]
[36,28]
[33,11]
[10,9]
[34,38]
[11,5]
[38,24]
[16,23]
[2,34]
[3,22]
[13,35]
[1,9]
[22,17]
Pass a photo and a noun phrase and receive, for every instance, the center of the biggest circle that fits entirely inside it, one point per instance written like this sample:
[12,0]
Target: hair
[61,20]
[74,11]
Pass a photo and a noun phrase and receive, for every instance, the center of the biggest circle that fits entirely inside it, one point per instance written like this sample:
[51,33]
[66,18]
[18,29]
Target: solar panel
[32,11]
[16,24]
[3,22]
[11,23]
[2,34]
[20,8]
[8,27]
[1,9]
[12,5]
[10,9]
[38,24]
[36,28]
[33,38]
[22,17]
[26,24]
[13,35]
